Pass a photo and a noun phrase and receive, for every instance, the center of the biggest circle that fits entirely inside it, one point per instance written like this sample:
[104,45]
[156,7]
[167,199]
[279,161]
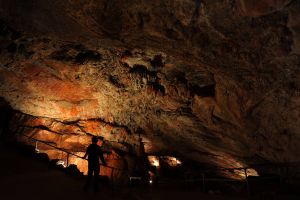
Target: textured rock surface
[56,139]
[216,82]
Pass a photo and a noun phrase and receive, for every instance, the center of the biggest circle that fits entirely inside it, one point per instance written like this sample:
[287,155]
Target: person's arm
[102,158]
[86,153]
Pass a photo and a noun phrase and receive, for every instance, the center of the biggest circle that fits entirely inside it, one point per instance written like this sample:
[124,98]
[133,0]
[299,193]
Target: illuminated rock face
[64,141]
[216,82]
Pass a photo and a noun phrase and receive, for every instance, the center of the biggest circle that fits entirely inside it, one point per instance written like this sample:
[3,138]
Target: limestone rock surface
[216,82]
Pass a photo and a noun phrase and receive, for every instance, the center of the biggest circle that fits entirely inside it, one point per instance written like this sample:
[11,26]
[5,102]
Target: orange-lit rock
[215,82]
[67,139]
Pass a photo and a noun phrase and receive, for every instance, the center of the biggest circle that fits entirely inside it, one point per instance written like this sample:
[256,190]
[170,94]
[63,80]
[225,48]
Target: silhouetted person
[93,153]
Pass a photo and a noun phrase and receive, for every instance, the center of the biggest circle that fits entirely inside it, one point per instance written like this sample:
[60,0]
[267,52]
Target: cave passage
[187,98]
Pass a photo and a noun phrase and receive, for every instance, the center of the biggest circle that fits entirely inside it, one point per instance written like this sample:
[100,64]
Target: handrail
[61,149]
[207,170]
[286,164]
[223,169]
[204,179]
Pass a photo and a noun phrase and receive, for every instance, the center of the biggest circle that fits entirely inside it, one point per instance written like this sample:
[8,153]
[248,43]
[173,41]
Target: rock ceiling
[212,81]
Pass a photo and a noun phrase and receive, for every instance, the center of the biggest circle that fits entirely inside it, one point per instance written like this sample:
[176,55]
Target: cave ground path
[23,177]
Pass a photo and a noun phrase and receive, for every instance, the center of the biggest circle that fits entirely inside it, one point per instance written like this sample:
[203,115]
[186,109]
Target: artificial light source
[153,160]
[178,162]
[172,161]
[156,163]
[242,173]
[61,162]
[36,147]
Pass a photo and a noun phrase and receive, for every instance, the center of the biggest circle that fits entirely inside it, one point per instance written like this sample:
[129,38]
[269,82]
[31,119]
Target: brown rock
[195,78]
[256,8]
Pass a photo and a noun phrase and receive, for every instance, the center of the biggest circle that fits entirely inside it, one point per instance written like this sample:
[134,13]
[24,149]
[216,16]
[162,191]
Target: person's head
[94,140]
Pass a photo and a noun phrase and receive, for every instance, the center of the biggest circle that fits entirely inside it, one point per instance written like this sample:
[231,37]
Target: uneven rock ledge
[215,82]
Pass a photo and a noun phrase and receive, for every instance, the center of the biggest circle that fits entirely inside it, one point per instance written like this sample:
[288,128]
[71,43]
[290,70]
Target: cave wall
[216,82]
[57,139]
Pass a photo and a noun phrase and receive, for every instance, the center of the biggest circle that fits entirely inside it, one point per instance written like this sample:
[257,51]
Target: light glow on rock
[61,162]
[172,161]
[154,160]
[250,172]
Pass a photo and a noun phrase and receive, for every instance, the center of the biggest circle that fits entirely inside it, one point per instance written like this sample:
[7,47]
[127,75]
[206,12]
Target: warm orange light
[172,161]
[153,160]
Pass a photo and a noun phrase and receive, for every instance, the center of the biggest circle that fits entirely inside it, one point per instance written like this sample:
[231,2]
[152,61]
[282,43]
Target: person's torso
[94,152]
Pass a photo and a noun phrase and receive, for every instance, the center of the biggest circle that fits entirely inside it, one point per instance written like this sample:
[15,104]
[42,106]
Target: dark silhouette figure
[93,153]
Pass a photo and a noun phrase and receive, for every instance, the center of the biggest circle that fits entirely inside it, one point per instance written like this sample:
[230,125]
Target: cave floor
[23,177]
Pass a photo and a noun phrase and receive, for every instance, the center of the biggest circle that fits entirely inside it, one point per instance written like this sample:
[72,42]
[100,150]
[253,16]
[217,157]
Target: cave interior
[200,92]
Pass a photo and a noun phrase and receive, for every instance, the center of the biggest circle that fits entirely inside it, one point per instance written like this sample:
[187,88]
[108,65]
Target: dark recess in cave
[12,48]
[61,55]
[158,88]
[115,81]
[153,80]
[5,119]
[171,33]
[205,91]
[180,77]
[142,71]
[126,53]
[88,55]
[84,55]
[157,61]
[7,31]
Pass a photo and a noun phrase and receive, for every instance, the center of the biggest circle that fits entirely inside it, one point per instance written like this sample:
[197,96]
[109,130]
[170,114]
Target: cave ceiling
[214,81]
